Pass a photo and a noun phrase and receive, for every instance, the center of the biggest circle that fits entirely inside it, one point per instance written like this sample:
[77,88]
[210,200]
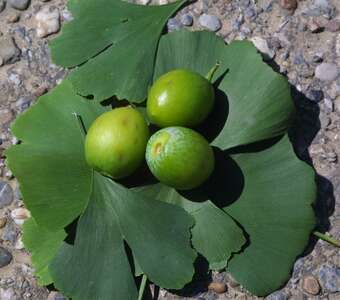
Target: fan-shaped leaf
[49,163]
[215,235]
[275,209]
[43,245]
[117,41]
[96,267]
[258,104]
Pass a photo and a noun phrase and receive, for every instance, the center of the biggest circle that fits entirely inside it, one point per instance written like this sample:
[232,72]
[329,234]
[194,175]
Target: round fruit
[180,98]
[180,157]
[115,143]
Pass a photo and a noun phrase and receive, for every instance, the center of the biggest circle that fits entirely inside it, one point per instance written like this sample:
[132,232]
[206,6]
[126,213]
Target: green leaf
[116,44]
[43,245]
[275,209]
[259,105]
[96,267]
[215,235]
[49,163]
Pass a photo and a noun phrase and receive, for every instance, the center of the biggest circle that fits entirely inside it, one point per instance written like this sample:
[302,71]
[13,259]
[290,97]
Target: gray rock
[10,233]
[329,277]
[2,5]
[321,3]
[262,45]
[187,20]
[210,22]
[19,4]
[315,95]
[298,59]
[6,194]
[173,24]
[280,295]
[5,257]
[327,71]
[9,52]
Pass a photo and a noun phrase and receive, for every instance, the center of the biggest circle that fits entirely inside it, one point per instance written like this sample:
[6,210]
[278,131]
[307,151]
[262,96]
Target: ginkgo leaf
[43,245]
[115,43]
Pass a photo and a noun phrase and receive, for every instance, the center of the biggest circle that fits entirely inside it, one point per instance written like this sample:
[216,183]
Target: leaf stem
[212,71]
[80,124]
[327,238]
[142,287]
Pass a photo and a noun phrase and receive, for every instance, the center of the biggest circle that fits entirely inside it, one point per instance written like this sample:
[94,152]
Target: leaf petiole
[327,238]
[212,71]
[142,287]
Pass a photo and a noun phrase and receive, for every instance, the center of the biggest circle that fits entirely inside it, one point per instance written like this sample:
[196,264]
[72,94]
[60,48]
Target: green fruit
[115,143]
[180,98]
[180,157]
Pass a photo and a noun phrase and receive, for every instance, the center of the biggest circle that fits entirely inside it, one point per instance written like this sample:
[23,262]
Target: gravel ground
[300,39]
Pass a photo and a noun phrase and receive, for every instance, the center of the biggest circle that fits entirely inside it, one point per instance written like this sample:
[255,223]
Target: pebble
[210,22]
[173,25]
[311,285]
[318,57]
[315,95]
[2,5]
[217,287]
[5,257]
[19,4]
[3,221]
[327,71]
[7,294]
[298,59]
[187,20]
[280,295]
[13,17]
[9,52]
[262,45]
[329,277]
[329,104]
[10,233]
[143,2]
[19,215]
[337,104]
[47,21]
[6,194]
[288,4]
[333,25]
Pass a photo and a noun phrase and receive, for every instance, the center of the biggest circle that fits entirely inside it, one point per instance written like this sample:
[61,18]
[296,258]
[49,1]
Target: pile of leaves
[253,216]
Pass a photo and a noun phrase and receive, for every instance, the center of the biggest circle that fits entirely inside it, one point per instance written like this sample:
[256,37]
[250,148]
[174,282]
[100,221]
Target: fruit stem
[212,71]
[327,238]
[80,124]
[142,287]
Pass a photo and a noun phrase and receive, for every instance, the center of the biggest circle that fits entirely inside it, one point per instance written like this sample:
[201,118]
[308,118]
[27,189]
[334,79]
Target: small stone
[333,25]
[6,194]
[173,25]
[7,294]
[2,5]
[288,4]
[262,45]
[13,17]
[277,296]
[3,221]
[314,26]
[327,71]
[143,2]
[187,20]
[19,215]
[47,21]
[210,22]
[315,95]
[317,57]
[9,52]
[19,4]
[10,233]
[19,245]
[337,104]
[5,257]
[329,104]
[217,287]
[163,2]
[329,277]
[311,285]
